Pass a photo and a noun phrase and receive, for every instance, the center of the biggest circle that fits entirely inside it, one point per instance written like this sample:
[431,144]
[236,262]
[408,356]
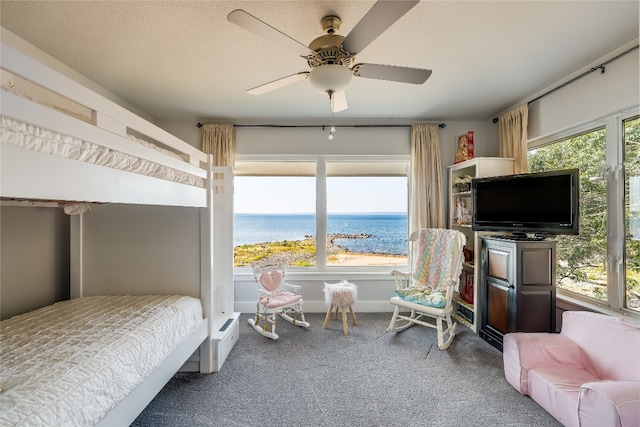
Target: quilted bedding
[68,364]
[20,134]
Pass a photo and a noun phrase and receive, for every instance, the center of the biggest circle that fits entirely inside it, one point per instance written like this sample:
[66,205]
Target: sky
[298,195]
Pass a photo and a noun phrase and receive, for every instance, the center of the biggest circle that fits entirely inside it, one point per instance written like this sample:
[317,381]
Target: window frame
[614,157]
[321,270]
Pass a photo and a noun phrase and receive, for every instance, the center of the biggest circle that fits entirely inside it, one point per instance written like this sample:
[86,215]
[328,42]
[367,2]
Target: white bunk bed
[30,175]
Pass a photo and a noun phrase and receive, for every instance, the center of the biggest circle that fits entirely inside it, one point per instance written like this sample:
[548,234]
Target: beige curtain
[427,200]
[218,139]
[513,137]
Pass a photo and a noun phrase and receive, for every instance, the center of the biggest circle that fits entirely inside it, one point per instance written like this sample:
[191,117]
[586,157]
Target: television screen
[544,203]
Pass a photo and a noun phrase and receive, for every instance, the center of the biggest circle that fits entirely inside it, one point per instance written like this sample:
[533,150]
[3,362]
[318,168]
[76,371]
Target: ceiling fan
[332,56]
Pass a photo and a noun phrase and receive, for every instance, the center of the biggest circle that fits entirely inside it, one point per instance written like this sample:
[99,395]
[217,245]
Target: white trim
[592,305]
[319,306]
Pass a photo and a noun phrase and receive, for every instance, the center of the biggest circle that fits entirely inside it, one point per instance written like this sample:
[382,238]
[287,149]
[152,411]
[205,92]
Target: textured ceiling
[183,59]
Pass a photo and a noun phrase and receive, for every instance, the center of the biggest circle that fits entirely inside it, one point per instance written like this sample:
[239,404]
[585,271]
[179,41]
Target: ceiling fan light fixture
[330,77]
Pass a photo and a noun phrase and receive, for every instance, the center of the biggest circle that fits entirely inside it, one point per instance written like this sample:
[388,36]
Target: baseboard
[320,307]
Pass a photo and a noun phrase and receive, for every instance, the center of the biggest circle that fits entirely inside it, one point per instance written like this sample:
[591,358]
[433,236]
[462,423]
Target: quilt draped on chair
[432,268]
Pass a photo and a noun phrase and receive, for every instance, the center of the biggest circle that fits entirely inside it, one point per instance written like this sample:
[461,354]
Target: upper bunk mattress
[72,362]
[24,135]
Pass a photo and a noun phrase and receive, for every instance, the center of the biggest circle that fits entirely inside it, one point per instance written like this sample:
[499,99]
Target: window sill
[571,301]
[330,274]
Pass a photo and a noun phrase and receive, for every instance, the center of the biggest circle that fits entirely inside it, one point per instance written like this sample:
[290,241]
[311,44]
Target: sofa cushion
[601,336]
[609,403]
[556,389]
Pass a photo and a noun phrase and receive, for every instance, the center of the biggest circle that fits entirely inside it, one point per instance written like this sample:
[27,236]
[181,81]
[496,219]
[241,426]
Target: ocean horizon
[388,231]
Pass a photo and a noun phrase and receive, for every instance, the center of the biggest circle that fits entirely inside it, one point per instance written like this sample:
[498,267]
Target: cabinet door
[497,306]
[498,288]
[536,293]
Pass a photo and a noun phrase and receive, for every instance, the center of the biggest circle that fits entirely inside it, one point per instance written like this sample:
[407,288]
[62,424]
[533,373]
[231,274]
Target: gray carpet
[320,377]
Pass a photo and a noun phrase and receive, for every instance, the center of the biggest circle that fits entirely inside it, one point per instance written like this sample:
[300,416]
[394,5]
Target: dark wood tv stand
[517,287]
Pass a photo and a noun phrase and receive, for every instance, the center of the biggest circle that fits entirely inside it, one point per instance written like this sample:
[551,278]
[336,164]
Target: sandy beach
[357,260]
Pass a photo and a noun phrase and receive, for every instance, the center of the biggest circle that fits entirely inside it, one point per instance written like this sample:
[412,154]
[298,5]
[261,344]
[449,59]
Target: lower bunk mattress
[70,363]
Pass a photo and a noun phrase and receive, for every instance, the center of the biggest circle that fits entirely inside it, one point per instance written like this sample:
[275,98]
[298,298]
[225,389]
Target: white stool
[340,295]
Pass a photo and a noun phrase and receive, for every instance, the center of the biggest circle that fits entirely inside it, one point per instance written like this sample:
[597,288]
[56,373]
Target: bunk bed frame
[35,177]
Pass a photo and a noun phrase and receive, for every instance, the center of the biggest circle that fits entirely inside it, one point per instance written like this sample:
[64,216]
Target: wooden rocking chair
[275,298]
[427,291]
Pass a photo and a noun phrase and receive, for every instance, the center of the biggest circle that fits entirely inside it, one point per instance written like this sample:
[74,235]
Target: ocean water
[388,230]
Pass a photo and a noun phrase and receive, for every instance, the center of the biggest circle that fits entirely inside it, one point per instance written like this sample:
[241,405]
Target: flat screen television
[543,203]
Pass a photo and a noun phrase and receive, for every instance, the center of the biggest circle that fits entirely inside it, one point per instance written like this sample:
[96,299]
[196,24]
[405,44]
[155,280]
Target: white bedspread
[20,134]
[70,363]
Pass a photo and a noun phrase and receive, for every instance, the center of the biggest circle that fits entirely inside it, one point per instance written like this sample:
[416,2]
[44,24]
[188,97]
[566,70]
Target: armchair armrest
[525,351]
[291,287]
[403,280]
[610,403]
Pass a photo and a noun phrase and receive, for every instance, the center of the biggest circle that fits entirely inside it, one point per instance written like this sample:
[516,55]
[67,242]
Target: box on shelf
[465,149]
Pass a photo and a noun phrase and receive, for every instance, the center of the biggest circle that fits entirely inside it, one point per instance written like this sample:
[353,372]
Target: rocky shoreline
[299,252]
[332,236]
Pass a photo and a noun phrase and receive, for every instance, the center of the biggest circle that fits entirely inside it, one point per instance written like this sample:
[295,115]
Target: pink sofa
[588,375]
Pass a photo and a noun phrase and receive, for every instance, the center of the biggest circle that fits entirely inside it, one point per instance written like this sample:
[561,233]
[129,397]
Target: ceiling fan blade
[339,101]
[261,28]
[392,73]
[277,84]
[381,16]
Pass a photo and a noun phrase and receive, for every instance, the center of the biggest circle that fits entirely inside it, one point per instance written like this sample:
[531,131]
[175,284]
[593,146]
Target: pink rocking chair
[275,298]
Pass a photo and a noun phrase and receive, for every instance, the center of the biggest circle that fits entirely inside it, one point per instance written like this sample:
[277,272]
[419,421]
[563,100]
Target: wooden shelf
[461,225]
[469,314]
[462,302]
[462,320]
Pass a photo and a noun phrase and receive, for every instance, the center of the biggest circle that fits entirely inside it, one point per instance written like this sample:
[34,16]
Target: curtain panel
[513,137]
[218,139]
[427,190]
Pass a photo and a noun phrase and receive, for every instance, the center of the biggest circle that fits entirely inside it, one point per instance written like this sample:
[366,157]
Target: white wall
[34,255]
[134,249]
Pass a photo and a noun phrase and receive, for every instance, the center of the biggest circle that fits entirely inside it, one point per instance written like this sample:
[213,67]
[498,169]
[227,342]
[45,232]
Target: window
[602,264]
[275,213]
[581,259]
[632,212]
[321,214]
[366,213]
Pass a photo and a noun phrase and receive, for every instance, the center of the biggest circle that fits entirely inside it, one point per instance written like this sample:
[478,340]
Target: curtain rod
[600,67]
[441,126]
